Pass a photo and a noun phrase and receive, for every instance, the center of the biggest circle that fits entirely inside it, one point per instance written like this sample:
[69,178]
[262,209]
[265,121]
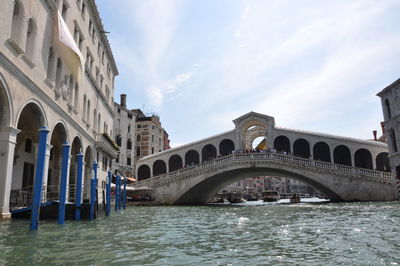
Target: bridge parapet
[252,159]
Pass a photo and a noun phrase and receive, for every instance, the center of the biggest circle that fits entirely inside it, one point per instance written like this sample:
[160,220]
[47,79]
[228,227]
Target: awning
[66,47]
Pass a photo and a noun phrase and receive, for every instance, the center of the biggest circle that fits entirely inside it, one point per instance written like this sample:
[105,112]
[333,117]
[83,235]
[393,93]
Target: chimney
[383,128]
[375,132]
[123,100]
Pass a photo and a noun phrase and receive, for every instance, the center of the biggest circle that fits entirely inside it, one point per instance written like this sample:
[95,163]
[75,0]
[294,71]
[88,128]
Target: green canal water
[310,234]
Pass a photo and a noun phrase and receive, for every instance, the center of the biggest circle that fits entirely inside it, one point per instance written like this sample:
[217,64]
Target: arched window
[88,112]
[94,119]
[393,140]
[76,96]
[363,159]
[138,137]
[129,144]
[143,172]
[282,144]
[58,73]
[226,147]
[71,89]
[301,148]
[17,22]
[99,123]
[50,64]
[137,151]
[387,105]
[341,155]
[118,140]
[175,163]
[84,106]
[30,39]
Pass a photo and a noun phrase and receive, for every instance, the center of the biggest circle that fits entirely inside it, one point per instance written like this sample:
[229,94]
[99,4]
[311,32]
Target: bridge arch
[383,162]
[209,185]
[363,159]
[208,153]
[143,172]
[226,147]
[282,144]
[342,155]
[322,152]
[159,168]
[301,148]
[192,158]
[175,163]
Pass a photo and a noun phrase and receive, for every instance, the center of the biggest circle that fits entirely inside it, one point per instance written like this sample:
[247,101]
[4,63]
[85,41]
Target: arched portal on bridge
[254,131]
[192,158]
[322,152]
[363,159]
[226,147]
[301,148]
[159,168]
[143,172]
[208,153]
[383,162]
[175,163]
[282,144]
[341,155]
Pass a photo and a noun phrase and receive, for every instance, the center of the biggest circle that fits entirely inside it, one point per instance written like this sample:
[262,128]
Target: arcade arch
[341,155]
[175,163]
[192,158]
[208,153]
[383,162]
[159,168]
[363,159]
[322,152]
[301,148]
[282,144]
[143,172]
[226,147]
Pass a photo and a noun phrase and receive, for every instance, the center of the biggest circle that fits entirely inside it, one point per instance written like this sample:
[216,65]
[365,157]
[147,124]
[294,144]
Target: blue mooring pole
[120,193]
[63,183]
[108,193]
[38,181]
[124,202]
[117,192]
[78,192]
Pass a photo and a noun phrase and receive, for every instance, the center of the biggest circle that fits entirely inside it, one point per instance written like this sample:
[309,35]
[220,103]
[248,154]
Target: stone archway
[30,120]
[76,148]
[57,139]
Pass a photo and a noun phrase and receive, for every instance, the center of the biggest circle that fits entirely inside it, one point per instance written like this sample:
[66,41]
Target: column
[38,181]
[63,182]
[8,140]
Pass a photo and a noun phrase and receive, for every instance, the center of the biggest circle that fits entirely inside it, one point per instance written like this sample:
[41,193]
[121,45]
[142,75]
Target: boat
[295,198]
[270,196]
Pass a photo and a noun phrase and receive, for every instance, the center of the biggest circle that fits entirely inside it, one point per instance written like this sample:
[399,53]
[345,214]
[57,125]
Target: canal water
[328,234]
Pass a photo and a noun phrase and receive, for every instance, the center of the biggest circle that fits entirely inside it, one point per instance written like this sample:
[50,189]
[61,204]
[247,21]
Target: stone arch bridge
[344,169]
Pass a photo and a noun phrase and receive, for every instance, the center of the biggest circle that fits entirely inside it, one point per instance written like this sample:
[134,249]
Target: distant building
[124,130]
[390,99]
[151,138]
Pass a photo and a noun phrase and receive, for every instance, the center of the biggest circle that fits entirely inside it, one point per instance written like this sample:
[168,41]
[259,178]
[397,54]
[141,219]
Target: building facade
[151,137]
[56,71]
[124,130]
[390,99]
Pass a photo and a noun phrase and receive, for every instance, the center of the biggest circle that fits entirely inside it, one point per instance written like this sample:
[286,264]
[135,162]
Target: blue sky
[199,64]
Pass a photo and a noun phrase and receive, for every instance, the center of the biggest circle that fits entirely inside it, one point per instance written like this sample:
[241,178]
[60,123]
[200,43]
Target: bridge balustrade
[269,156]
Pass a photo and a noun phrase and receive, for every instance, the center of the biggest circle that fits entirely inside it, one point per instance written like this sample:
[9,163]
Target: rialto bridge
[344,169]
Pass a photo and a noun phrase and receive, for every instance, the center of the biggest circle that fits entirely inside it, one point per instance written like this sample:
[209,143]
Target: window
[138,151]
[83,9]
[129,144]
[129,116]
[119,110]
[108,70]
[101,82]
[28,145]
[128,160]
[97,75]
[152,150]
[58,73]
[84,107]
[102,57]
[17,22]
[88,112]
[30,39]
[129,129]
[98,48]
[90,27]
[50,64]
[139,126]
[117,159]
[152,138]
[388,108]
[71,89]
[76,96]
[64,11]
[138,137]
[118,140]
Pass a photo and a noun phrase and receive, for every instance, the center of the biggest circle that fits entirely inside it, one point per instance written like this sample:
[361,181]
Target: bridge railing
[273,157]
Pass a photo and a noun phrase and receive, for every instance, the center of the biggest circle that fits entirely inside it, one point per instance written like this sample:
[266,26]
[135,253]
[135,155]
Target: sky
[199,64]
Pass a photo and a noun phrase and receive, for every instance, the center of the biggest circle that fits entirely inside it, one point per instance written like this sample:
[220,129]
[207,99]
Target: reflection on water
[330,233]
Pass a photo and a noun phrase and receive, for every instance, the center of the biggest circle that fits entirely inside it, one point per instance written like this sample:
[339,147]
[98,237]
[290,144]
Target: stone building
[124,130]
[151,138]
[390,99]
[56,70]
